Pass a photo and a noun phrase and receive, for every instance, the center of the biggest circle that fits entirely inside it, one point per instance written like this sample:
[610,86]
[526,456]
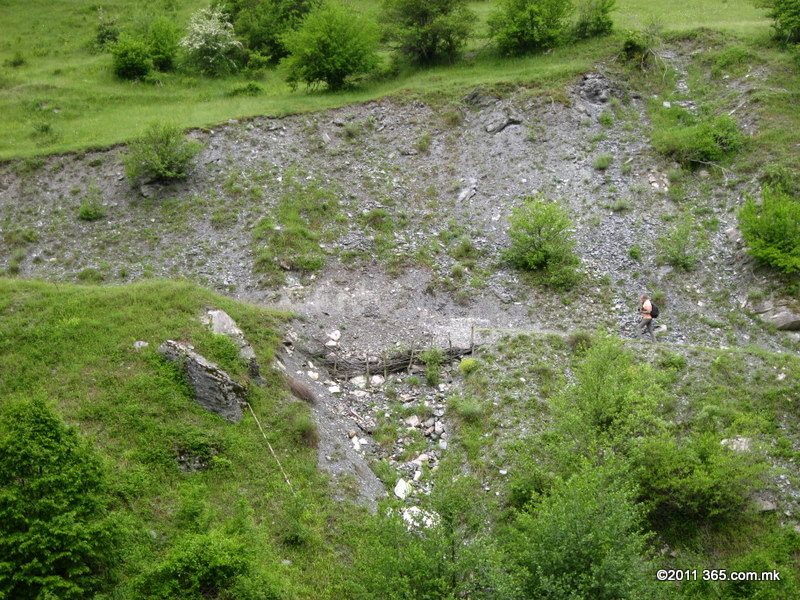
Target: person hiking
[646,323]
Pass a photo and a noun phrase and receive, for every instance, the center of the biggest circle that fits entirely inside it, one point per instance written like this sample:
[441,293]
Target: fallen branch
[352,366]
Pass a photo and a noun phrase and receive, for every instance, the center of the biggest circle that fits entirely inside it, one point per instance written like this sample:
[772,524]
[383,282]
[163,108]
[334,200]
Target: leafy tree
[594,18]
[683,483]
[541,241]
[262,24]
[525,26]
[330,45]
[426,31]
[56,540]
[772,229]
[131,59]
[163,37]
[161,154]
[583,540]
[785,15]
[209,43]
[451,556]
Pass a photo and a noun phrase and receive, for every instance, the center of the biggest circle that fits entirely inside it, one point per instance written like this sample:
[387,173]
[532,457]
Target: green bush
[681,247]
[785,15]
[541,242]
[771,229]
[56,539]
[91,208]
[198,566]
[433,360]
[639,46]
[163,38]
[330,46]
[526,26]
[468,366]
[161,154]
[131,59]
[427,31]
[594,18]
[689,139]
[583,540]
[262,24]
[691,482]
[209,43]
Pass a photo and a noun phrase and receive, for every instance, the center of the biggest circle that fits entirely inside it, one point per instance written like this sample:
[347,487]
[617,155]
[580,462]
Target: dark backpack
[653,310]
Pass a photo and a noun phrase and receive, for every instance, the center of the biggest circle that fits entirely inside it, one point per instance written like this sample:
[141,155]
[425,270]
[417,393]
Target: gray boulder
[213,388]
[779,314]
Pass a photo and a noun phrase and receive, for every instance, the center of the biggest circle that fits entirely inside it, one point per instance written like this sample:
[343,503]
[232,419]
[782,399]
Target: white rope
[275,456]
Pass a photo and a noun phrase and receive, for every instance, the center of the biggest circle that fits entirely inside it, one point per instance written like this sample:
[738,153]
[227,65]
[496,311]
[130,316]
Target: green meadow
[57,95]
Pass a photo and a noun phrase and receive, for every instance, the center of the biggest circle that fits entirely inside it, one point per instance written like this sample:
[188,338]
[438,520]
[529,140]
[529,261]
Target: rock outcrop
[779,314]
[213,388]
[221,323]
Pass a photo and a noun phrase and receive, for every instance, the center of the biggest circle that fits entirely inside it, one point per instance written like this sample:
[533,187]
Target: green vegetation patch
[289,239]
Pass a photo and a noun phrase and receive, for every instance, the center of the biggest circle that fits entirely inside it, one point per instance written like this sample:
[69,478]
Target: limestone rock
[402,488]
[139,344]
[738,444]
[222,324]
[213,388]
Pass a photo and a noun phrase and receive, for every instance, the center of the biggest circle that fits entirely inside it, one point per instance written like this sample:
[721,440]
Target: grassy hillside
[73,346]
[56,95]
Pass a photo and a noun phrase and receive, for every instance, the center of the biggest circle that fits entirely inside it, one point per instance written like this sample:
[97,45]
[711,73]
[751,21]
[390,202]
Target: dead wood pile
[351,366]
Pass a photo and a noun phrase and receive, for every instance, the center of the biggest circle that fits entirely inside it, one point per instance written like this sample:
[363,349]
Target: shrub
[525,26]
[785,15]
[131,59]
[583,541]
[198,566]
[263,23]
[772,229]
[602,162]
[680,247]
[594,18]
[106,32]
[640,46]
[91,208]
[541,241]
[433,360]
[689,139]
[329,46]
[467,366]
[161,154]
[209,43]
[427,31]
[56,540]
[684,483]
[163,38]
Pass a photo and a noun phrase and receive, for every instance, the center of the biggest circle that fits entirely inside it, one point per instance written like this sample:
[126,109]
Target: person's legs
[649,328]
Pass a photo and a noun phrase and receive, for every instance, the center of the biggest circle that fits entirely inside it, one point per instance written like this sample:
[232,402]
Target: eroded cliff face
[406,206]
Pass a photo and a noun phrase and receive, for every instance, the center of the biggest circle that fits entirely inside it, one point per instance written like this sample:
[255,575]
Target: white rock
[377,380]
[335,335]
[360,381]
[412,421]
[402,489]
[503,472]
[443,444]
[335,389]
[356,444]
[438,428]
[417,518]
[417,475]
[361,394]
[312,375]
[331,344]
[738,444]
[138,345]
